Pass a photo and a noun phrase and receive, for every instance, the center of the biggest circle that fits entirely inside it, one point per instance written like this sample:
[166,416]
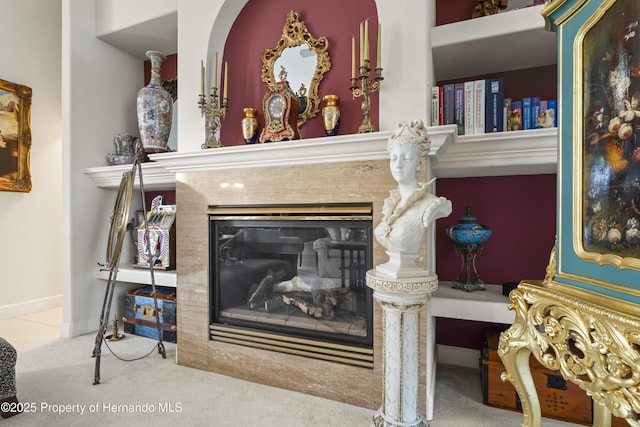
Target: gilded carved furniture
[583,319]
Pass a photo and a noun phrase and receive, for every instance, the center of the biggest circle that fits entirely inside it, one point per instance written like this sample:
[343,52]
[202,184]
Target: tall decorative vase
[155,109]
[331,115]
[250,125]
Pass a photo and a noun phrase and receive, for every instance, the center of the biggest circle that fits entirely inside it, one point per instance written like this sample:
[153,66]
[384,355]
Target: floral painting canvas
[611,130]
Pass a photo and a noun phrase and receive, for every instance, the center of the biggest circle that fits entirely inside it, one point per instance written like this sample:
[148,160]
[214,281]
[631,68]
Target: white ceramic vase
[155,109]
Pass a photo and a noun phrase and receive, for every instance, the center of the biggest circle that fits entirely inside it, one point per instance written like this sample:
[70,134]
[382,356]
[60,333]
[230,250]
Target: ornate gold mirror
[305,60]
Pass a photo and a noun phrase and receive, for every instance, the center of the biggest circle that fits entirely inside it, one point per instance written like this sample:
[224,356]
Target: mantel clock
[280,107]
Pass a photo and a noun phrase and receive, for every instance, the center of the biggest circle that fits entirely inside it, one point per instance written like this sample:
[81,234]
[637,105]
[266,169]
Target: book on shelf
[494,106]
[547,117]
[540,121]
[515,120]
[506,113]
[553,109]
[468,108]
[441,105]
[435,108]
[449,104]
[459,107]
[526,113]
[479,93]
[535,112]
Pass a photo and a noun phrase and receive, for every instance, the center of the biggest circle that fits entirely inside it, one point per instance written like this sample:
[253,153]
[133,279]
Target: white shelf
[482,306]
[143,276]
[524,152]
[492,154]
[154,175]
[506,41]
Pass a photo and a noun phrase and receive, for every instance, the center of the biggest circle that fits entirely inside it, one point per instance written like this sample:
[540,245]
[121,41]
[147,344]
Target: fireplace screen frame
[318,343]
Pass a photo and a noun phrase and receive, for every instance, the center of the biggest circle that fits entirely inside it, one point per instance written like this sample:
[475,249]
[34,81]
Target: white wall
[31,223]
[99,88]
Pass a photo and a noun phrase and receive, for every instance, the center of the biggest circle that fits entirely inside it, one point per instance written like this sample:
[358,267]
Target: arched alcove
[244,29]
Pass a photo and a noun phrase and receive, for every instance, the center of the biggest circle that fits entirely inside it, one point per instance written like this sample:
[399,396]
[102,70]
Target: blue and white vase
[155,108]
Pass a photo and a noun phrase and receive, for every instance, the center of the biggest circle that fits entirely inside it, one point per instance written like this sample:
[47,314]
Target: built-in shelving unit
[506,41]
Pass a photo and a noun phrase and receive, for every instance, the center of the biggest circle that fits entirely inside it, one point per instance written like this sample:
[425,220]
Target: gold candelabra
[367,86]
[211,109]
[368,83]
[213,114]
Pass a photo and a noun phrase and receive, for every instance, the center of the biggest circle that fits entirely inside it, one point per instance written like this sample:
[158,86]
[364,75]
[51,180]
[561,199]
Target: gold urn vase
[250,125]
[331,115]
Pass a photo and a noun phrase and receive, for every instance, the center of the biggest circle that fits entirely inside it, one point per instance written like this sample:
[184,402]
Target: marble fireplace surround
[349,168]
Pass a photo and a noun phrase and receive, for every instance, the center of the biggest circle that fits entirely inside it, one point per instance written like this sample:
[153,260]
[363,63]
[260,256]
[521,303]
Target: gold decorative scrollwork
[595,347]
[295,33]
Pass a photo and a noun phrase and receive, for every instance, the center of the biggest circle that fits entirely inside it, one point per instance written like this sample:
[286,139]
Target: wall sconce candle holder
[213,115]
[368,85]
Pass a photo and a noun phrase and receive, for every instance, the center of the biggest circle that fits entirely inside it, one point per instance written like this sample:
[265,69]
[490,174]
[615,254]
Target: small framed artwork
[15,137]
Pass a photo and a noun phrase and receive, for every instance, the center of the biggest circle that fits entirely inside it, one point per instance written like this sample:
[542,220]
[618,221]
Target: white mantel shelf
[453,156]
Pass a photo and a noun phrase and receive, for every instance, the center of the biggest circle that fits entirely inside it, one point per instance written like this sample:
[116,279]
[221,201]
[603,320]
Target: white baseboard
[458,356]
[79,327]
[29,307]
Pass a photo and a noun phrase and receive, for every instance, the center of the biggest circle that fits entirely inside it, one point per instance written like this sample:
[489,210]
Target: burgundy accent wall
[168,197]
[259,26]
[168,69]
[521,211]
[464,333]
[448,11]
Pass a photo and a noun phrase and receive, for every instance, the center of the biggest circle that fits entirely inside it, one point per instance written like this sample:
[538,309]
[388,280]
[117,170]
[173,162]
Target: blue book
[449,104]
[526,113]
[494,111]
[552,108]
[535,112]
[459,107]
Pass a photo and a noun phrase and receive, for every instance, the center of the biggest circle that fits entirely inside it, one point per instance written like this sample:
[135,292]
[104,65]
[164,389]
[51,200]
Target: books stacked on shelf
[479,106]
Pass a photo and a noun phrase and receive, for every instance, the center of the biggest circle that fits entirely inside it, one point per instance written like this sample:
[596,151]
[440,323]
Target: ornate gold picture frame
[296,50]
[15,137]
[609,204]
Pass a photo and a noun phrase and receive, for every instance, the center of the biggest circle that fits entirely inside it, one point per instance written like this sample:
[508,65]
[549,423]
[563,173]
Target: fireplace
[291,278]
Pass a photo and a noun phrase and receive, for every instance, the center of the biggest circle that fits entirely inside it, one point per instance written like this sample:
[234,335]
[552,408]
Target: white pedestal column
[402,300]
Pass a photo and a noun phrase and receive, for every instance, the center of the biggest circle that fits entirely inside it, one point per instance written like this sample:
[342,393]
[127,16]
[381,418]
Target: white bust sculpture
[410,208]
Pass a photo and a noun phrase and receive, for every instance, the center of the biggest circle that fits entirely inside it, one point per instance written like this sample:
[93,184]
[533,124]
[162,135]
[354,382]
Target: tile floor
[32,330]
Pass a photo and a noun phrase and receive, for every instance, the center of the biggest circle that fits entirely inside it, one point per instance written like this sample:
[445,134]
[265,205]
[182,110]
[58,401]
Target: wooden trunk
[140,315]
[559,399]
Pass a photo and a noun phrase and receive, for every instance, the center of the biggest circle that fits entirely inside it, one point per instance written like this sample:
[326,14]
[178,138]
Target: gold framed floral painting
[611,144]
[15,137]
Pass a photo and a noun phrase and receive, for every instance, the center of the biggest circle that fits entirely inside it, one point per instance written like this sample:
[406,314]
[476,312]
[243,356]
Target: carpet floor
[55,383]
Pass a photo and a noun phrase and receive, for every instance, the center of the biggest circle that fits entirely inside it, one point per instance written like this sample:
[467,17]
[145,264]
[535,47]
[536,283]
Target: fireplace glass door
[292,278]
